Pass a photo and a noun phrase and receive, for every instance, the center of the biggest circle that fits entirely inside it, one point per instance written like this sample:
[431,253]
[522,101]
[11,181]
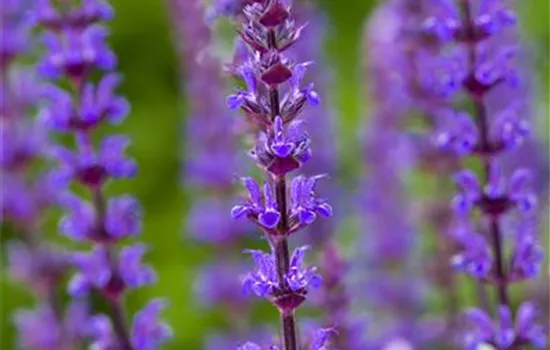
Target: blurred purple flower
[96,270]
[504,333]
[489,133]
[42,268]
[40,329]
[98,103]
[147,332]
[122,219]
[76,47]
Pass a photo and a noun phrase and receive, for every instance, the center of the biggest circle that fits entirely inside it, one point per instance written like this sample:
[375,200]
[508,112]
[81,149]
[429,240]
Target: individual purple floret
[76,47]
[473,33]
[147,331]
[122,219]
[272,101]
[319,339]
[98,103]
[40,328]
[97,272]
[505,333]
[264,281]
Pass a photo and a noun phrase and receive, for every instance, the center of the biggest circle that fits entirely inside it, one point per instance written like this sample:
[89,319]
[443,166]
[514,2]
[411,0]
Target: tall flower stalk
[400,70]
[394,282]
[273,99]
[25,195]
[75,49]
[480,65]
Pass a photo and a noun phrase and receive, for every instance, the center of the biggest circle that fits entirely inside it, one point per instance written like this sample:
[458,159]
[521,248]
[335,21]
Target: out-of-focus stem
[481,119]
[119,324]
[118,315]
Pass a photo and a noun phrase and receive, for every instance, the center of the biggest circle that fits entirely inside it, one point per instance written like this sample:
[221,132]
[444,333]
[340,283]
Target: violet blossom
[76,46]
[479,63]
[273,99]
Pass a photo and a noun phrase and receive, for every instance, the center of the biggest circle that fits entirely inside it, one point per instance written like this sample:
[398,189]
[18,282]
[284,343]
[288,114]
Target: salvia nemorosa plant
[397,51]
[77,104]
[26,194]
[273,99]
[495,212]
[394,282]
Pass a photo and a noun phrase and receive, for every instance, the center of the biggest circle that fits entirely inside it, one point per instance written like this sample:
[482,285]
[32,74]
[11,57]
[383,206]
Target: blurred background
[143,39]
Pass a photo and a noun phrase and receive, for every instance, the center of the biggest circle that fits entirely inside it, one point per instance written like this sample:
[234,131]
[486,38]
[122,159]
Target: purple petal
[269,218]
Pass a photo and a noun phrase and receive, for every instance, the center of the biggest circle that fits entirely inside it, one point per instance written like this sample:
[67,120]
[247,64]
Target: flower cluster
[393,283]
[480,63]
[25,195]
[272,101]
[76,47]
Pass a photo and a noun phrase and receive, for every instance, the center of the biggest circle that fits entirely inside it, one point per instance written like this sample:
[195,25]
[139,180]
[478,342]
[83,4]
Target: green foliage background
[141,37]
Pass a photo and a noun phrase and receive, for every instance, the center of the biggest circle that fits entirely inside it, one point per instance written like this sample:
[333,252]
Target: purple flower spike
[474,33]
[272,102]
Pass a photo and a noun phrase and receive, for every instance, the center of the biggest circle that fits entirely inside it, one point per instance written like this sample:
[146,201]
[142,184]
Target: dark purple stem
[118,315]
[119,324]
[282,259]
[282,254]
[480,115]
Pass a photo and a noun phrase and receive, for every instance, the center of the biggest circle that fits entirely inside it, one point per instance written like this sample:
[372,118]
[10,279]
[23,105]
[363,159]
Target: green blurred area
[143,42]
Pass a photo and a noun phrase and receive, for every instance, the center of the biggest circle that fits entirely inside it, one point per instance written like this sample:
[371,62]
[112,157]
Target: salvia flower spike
[487,69]
[25,196]
[75,38]
[273,100]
